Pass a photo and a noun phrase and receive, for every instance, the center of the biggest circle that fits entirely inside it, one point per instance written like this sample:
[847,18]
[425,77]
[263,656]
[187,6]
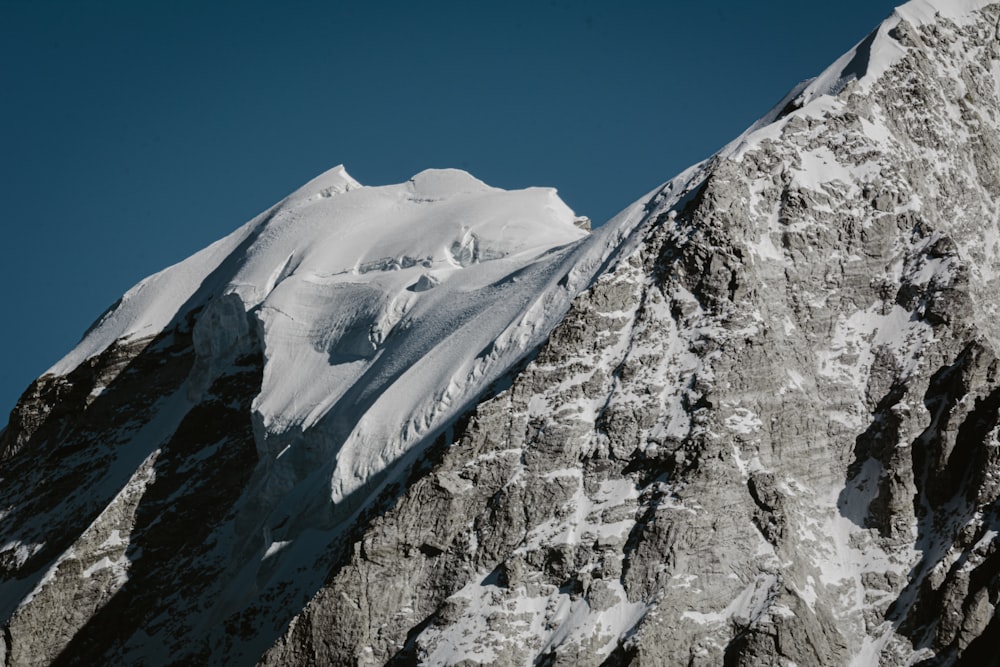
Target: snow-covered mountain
[753,419]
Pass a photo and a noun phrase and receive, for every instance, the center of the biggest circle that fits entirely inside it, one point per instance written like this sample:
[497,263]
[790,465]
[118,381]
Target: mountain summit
[753,419]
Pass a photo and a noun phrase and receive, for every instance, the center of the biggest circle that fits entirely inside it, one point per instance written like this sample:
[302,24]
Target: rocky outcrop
[148,474]
[767,437]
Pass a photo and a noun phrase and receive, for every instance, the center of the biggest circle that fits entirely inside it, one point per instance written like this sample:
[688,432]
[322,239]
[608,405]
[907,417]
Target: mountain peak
[863,65]
[753,419]
[440,183]
[332,181]
[920,12]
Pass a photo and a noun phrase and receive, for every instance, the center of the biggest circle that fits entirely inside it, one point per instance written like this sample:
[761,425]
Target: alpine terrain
[752,420]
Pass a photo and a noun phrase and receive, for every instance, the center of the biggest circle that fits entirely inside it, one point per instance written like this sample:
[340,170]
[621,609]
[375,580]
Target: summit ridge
[752,419]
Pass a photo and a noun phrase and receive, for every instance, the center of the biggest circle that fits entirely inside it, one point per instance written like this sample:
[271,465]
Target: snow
[821,166]
[765,248]
[856,339]
[585,524]
[349,283]
[382,313]
[119,573]
[275,547]
[744,465]
[920,12]
[864,63]
[796,381]
[743,421]
[870,652]
[526,622]
[753,602]
[19,551]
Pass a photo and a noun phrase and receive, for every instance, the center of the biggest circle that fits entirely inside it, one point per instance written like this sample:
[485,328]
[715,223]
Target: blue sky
[135,133]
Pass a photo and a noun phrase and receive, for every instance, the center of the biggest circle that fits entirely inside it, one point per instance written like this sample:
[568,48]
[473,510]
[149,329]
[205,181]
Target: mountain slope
[751,420]
[264,391]
[767,436]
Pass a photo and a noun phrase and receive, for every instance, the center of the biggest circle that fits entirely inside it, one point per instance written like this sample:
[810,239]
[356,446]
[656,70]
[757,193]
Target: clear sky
[136,133]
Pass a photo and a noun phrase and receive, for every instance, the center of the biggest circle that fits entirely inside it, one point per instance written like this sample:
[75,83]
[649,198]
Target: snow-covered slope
[378,309]
[751,420]
[373,315]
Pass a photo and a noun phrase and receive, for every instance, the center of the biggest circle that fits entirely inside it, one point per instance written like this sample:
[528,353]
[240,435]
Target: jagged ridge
[766,431]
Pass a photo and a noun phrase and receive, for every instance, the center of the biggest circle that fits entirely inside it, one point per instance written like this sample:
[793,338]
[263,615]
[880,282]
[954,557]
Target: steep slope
[179,484]
[751,420]
[768,435]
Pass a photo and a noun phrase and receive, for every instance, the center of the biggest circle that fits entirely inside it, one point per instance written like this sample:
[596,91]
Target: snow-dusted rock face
[767,436]
[191,468]
[752,420]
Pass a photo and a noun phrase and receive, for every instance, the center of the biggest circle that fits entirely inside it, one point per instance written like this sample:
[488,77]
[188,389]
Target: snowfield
[382,312]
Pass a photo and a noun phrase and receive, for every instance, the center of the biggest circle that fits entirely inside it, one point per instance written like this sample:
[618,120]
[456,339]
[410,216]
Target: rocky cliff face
[765,432]
[769,436]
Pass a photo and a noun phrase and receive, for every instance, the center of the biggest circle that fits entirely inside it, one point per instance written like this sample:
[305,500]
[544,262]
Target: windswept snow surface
[382,311]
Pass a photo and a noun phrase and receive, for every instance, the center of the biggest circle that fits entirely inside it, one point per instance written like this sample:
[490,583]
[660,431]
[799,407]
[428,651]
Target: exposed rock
[766,432]
[790,388]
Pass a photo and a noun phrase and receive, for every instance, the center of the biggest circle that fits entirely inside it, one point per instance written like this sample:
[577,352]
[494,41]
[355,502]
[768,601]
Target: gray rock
[766,433]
